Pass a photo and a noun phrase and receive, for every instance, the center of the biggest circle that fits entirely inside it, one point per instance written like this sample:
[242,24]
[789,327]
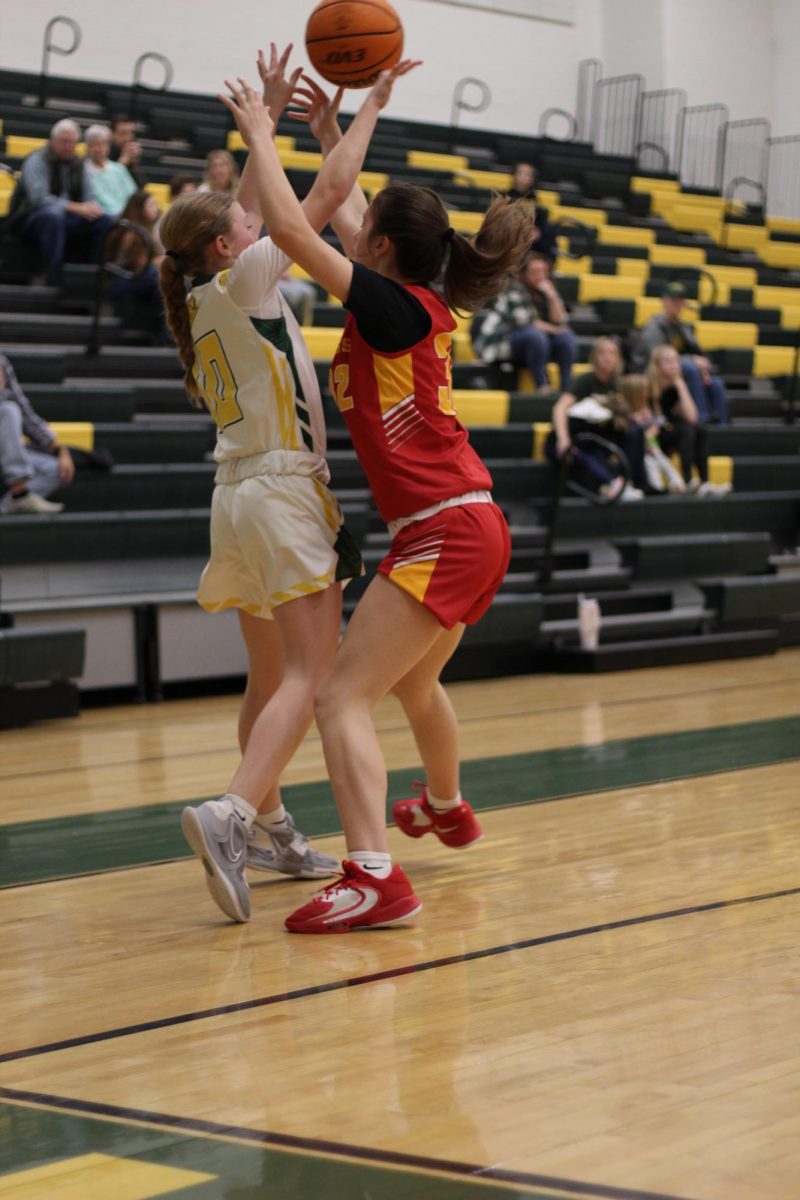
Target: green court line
[34,851]
[34,1137]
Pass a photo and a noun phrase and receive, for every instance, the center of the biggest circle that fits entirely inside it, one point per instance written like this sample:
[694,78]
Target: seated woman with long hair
[682,430]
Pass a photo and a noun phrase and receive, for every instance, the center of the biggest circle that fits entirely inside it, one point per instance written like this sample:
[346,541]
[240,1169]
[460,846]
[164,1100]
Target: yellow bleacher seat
[462,347]
[19,147]
[160,192]
[677,256]
[640,183]
[300,160]
[74,433]
[437,162]
[738,277]
[466,222]
[498,181]
[769,361]
[646,307]
[572,266]
[298,272]
[321,341]
[5,202]
[745,237]
[720,335]
[625,235]
[481,407]
[235,141]
[587,216]
[373,181]
[638,267]
[790,317]
[541,432]
[784,224]
[609,287]
[553,377]
[779,254]
[772,296]
[720,468]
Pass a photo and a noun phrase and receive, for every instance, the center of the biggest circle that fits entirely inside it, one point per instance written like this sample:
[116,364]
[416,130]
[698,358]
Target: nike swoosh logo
[351,902]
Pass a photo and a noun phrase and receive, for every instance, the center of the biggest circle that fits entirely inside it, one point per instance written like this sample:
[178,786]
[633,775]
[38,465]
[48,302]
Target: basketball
[350,42]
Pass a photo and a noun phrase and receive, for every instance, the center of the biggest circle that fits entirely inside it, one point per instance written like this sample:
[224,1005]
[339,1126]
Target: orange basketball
[350,42]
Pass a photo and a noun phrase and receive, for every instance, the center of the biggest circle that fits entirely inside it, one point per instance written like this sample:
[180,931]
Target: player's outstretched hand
[383,88]
[277,89]
[318,109]
[252,118]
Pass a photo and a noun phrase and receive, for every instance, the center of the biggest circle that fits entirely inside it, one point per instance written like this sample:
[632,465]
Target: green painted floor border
[35,1137]
[35,851]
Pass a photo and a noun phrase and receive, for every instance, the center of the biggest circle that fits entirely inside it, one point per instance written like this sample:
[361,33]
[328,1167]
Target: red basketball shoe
[357,900]
[455,827]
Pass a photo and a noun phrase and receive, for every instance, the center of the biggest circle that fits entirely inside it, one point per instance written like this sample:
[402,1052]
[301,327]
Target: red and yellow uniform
[391,378]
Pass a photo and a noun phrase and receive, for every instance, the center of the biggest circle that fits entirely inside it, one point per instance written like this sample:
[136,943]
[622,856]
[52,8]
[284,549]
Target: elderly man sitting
[112,183]
[54,204]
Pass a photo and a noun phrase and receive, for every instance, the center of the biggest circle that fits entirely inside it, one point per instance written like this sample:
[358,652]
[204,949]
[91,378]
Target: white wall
[785,46]
[529,65]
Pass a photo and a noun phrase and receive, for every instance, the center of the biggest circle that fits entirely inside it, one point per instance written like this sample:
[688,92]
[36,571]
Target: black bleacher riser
[744,441]
[139,490]
[776,513]
[61,403]
[183,442]
[738,600]
[684,556]
[46,654]
[769,473]
[97,536]
[663,652]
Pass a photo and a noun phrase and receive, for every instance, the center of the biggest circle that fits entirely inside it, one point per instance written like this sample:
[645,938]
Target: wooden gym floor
[599,1000]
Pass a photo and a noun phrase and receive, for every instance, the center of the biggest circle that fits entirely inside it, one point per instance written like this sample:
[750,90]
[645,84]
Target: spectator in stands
[112,183]
[682,430]
[31,472]
[53,203]
[523,189]
[182,185]
[667,329]
[527,325]
[125,149]
[593,405]
[138,288]
[221,173]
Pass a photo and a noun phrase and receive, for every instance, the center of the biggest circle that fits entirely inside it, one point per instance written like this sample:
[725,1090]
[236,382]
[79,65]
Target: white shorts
[274,538]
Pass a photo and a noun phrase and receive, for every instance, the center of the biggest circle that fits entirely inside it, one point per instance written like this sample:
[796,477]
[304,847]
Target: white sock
[231,803]
[379,865]
[443,805]
[275,816]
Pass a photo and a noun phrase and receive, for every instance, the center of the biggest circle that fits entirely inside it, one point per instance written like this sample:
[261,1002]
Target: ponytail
[186,231]
[472,270]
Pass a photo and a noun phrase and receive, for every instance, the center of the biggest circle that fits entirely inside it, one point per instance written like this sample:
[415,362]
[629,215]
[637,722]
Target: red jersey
[399,409]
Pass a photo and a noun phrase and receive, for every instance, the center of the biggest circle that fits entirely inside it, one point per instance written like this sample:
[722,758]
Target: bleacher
[678,578]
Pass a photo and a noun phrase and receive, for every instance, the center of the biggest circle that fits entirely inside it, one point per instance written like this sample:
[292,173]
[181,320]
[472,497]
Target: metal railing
[657,126]
[614,118]
[572,124]
[744,153]
[51,47]
[699,137]
[783,176]
[590,72]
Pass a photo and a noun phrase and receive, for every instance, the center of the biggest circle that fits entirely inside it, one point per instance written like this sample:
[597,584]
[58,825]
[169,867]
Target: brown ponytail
[186,232]
[416,222]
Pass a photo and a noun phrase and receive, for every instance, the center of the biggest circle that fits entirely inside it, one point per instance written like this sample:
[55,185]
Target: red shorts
[452,562]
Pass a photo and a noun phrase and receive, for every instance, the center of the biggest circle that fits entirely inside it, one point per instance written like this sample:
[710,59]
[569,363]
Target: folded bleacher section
[678,578]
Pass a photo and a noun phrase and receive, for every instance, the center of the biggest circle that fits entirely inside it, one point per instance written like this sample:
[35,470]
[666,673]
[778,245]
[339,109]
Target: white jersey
[251,363]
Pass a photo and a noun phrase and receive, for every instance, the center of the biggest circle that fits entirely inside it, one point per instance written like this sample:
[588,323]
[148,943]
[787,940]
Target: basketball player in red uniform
[391,379]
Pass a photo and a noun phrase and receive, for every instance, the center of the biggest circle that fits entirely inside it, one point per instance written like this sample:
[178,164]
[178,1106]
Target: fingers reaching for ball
[383,88]
[247,106]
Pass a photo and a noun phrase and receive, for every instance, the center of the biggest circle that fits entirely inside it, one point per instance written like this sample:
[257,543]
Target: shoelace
[341,882]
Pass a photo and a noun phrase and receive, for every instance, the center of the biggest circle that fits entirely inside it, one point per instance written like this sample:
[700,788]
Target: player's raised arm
[287,223]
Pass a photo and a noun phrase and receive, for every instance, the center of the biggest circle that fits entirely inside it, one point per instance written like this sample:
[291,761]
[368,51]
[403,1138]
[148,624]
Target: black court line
[388,1158]
[411,969]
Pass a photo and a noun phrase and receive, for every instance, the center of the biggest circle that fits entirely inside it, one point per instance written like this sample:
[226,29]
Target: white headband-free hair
[97,131]
[65,126]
